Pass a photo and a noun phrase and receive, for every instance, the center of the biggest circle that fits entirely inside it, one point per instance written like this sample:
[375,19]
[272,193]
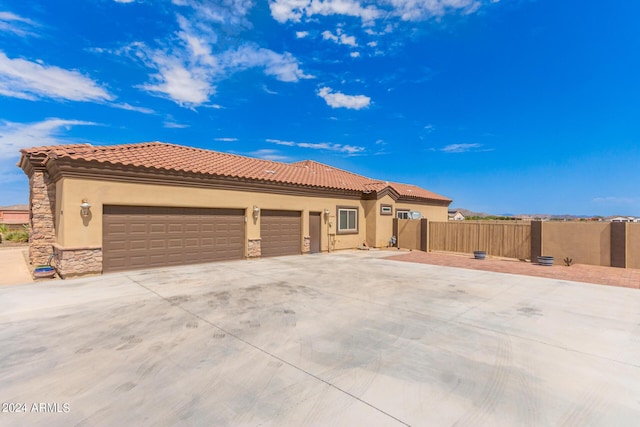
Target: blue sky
[510,106]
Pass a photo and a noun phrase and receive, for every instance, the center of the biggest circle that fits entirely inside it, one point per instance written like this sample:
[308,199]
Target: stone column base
[254,249]
[306,244]
[72,262]
[39,253]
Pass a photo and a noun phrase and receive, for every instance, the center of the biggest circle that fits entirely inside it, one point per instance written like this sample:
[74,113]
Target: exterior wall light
[326,213]
[256,212]
[84,208]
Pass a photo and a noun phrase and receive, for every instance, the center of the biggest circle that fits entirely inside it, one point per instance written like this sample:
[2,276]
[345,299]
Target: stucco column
[42,202]
[536,241]
[619,244]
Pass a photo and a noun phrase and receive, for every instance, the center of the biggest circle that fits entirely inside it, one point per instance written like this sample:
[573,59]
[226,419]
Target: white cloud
[174,125]
[269,91]
[406,10]
[355,54]
[124,1]
[222,139]
[348,40]
[340,100]
[24,79]
[293,10]
[280,142]
[302,34]
[187,67]
[429,128]
[126,106]
[15,136]
[349,149]
[187,74]
[339,38]
[283,67]
[268,154]
[328,35]
[198,45]
[186,86]
[12,23]
[227,12]
[461,148]
[419,10]
[327,146]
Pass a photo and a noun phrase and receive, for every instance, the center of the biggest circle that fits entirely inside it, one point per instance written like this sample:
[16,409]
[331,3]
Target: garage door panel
[192,228]
[157,228]
[138,228]
[157,244]
[191,243]
[157,257]
[175,244]
[175,228]
[144,237]
[118,262]
[280,232]
[174,259]
[118,246]
[116,229]
[139,244]
[136,261]
[222,228]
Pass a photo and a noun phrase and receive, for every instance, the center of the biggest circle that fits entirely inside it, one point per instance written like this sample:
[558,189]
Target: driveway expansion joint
[262,350]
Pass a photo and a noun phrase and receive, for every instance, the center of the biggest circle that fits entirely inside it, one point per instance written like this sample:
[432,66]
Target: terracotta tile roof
[163,156]
[14,208]
[408,190]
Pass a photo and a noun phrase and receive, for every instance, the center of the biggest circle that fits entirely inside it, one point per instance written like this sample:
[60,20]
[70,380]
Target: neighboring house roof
[170,157]
[455,214]
[15,208]
[621,219]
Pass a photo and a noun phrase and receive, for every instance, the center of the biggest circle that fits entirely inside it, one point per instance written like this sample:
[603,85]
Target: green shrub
[16,236]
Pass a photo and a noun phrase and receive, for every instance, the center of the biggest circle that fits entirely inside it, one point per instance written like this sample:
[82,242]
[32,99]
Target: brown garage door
[280,232]
[144,237]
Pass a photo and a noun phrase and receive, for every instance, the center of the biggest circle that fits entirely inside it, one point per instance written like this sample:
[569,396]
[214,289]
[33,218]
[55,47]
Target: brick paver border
[612,276]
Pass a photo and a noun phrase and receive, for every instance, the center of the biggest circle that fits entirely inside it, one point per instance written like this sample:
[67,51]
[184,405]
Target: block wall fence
[611,244]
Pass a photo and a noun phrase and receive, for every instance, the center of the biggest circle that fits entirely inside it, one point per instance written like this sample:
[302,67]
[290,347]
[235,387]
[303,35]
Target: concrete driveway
[338,339]
[13,265]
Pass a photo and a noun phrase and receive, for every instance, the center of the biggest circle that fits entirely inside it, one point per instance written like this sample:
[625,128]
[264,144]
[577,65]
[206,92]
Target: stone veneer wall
[306,244]
[78,261]
[42,200]
[254,248]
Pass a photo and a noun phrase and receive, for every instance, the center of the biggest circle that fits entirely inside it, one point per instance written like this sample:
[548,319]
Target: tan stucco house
[121,207]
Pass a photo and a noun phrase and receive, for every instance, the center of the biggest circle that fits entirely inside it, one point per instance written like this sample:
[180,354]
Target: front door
[314,232]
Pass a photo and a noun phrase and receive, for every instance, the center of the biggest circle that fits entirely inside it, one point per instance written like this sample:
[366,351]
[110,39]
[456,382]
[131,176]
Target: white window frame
[341,227]
[403,214]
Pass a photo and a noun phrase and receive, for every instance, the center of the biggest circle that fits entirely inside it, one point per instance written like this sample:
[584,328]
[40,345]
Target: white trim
[347,229]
